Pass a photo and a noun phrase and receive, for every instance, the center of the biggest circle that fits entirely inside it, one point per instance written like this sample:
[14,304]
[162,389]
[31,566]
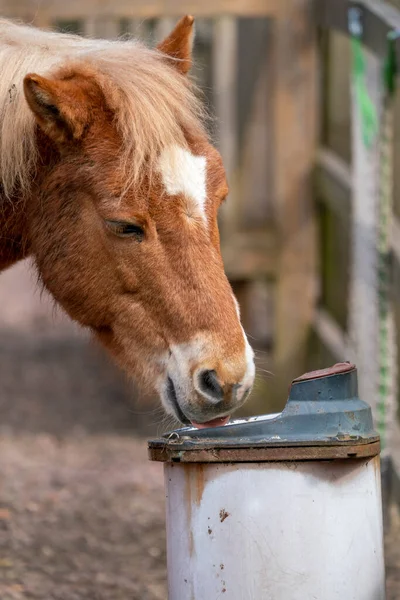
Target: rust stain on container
[188,491]
[194,485]
[188,505]
[191,543]
[199,474]
[377,467]
[193,493]
[223,515]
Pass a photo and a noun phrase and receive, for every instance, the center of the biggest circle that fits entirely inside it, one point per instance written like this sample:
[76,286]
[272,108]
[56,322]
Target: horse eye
[124,229]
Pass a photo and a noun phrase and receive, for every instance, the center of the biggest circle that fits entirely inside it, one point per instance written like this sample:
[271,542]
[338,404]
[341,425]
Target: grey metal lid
[323,418]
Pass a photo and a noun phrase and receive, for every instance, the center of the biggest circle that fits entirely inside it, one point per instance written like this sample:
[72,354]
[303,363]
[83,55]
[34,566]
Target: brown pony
[109,182]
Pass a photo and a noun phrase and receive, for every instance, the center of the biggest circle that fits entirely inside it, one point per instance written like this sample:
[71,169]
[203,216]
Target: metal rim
[168,453]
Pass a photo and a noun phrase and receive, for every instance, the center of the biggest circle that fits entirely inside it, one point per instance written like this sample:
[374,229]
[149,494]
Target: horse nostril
[209,385]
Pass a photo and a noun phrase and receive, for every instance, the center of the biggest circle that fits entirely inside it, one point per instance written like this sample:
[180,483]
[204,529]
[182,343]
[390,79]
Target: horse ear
[178,45]
[56,106]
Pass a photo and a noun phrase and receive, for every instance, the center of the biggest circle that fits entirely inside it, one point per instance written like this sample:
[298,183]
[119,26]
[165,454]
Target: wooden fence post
[163,28]
[224,69]
[295,117]
[89,27]
[101,26]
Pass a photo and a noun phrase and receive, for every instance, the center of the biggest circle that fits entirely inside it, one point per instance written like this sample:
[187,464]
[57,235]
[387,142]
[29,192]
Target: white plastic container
[268,517]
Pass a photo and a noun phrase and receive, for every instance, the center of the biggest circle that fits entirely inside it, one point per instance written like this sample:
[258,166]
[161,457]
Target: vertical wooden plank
[89,27]
[224,68]
[43,18]
[256,148]
[107,27]
[243,195]
[256,306]
[225,85]
[128,26]
[163,28]
[143,29]
[396,150]
[256,160]
[363,305]
[335,256]
[254,192]
[102,27]
[295,115]
[372,325]
[337,96]
[202,58]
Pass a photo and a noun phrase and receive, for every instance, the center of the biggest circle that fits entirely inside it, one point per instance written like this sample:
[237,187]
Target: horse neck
[15,227]
[14,240]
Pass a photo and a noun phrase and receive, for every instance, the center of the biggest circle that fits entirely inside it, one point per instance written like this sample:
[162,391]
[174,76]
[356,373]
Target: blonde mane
[153,103]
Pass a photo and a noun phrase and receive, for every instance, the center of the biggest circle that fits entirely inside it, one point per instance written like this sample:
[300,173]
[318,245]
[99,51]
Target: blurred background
[303,234]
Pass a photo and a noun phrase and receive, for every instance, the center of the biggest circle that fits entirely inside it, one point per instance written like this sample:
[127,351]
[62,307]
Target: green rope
[370,128]
[368,115]
[390,67]
[386,375]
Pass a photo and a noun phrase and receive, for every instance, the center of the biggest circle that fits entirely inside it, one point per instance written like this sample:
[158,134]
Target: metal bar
[378,19]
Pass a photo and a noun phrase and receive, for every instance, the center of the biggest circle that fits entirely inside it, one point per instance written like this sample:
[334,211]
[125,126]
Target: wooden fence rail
[258,67]
[261,63]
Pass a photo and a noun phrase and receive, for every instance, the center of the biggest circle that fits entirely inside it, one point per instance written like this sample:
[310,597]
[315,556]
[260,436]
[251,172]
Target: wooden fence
[357,192]
[258,67]
[277,76]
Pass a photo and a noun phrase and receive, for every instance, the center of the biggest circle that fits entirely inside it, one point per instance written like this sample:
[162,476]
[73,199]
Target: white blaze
[185,174]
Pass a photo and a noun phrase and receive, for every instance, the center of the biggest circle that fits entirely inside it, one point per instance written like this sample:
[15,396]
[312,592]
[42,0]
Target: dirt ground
[81,508]
[80,519]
